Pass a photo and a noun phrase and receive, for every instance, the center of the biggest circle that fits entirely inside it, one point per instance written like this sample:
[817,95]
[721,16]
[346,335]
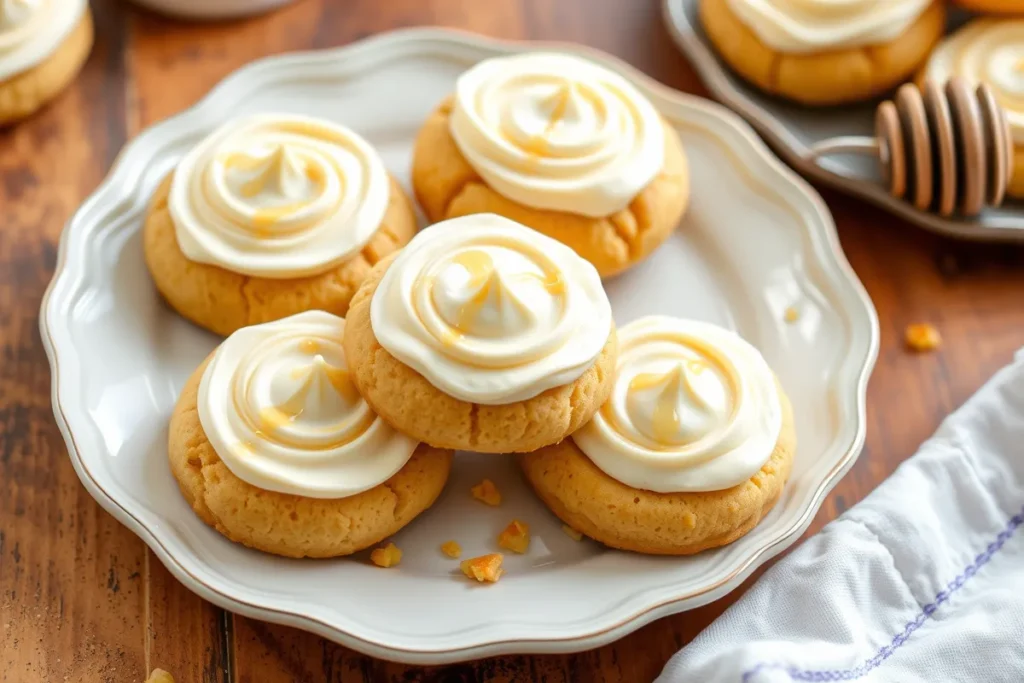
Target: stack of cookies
[821,52]
[361,353]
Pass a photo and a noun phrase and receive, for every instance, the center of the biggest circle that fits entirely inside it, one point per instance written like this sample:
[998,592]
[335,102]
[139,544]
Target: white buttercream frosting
[279,408]
[278,196]
[803,26]
[694,408]
[552,131]
[987,51]
[490,311]
[31,30]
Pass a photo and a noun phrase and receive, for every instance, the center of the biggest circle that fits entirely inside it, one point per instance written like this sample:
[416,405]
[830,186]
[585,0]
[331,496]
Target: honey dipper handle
[856,144]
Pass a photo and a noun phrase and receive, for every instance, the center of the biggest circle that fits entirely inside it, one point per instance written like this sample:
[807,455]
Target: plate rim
[826,238]
[718,80]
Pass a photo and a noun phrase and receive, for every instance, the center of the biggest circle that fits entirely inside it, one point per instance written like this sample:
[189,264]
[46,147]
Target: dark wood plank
[71,588]
[184,634]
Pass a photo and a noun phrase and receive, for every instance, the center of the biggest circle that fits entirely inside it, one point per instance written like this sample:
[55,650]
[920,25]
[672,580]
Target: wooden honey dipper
[946,149]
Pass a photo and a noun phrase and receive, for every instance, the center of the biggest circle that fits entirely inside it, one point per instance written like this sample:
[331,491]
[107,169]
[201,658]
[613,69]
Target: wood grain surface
[82,599]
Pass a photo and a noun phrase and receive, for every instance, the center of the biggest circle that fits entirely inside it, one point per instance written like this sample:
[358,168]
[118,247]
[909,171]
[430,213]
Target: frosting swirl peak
[553,131]
[485,293]
[693,408]
[278,196]
[677,406]
[278,406]
[490,311]
[30,30]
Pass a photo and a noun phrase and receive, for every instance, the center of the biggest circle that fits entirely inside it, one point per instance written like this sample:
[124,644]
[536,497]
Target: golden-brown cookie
[822,78]
[993,6]
[620,516]
[224,301]
[447,186]
[26,92]
[411,404]
[982,51]
[292,525]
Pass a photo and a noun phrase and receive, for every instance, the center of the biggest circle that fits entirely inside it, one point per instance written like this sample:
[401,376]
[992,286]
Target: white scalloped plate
[755,241]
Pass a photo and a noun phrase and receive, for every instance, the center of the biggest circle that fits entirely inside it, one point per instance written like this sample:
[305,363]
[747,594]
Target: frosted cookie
[273,447]
[43,45]
[989,51]
[561,145]
[690,452]
[822,52]
[272,215]
[482,335]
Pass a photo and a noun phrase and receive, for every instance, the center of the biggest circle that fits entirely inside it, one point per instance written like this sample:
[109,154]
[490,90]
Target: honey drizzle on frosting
[486,309]
[307,432]
[552,282]
[557,132]
[538,146]
[278,195]
[341,380]
[693,408]
[666,419]
[271,419]
[265,218]
[666,413]
[480,267]
[275,417]
[483,278]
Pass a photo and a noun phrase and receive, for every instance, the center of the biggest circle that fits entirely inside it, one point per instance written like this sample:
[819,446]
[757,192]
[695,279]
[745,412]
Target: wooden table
[82,599]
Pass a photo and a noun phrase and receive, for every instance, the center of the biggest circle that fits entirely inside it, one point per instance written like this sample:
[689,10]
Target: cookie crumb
[160,676]
[792,314]
[484,568]
[922,337]
[486,492]
[515,537]
[388,556]
[451,549]
[572,533]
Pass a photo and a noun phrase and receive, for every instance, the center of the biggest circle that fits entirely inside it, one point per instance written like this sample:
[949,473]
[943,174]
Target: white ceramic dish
[791,130]
[756,240]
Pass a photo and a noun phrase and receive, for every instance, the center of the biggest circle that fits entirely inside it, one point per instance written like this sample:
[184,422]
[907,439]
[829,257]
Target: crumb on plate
[922,337]
[486,492]
[572,533]
[484,568]
[451,549]
[388,556]
[792,314]
[515,537]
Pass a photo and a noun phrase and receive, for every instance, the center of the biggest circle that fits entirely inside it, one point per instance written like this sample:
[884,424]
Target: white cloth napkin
[922,581]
